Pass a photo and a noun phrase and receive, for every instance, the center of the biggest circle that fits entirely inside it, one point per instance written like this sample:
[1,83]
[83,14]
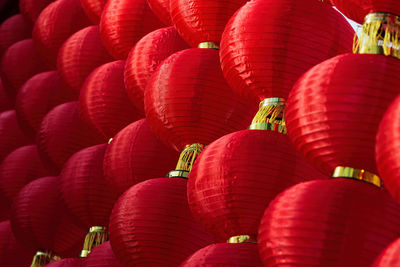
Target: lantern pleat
[31,9]
[268,45]
[80,55]
[102,256]
[390,256]
[145,57]
[68,262]
[234,255]
[6,102]
[104,103]
[151,225]
[338,222]
[93,9]
[161,10]
[123,23]
[12,30]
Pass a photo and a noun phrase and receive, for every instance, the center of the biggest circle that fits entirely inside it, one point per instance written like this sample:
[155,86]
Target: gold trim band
[269,127]
[178,173]
[210,45]
[362,175]
[242,239]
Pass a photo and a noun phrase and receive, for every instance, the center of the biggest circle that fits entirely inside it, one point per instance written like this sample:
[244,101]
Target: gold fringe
[97,235]
[42,258]
[270,115]
[187,157]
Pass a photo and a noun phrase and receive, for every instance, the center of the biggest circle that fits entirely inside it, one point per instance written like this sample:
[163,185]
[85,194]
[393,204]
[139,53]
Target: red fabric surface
[80,55]
[31,9]
[84,188]
[161,10]
[188,101]
[4,208]
[390,256]
[93,9]
[232,255]
[200,21]
[334,110]
[12,254]
[269,44]
[104,103]
[145,57]
[55,24]
[40,219]
[123,23]
[136,155]
[102,256]
[62,133]
[337,222]
[38,96]
[68,262]
[151,225]
[5,101]
[12,30]
[235,178]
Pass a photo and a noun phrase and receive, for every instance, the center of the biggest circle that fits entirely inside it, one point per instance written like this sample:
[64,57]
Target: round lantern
[68,262]
[151,225]
[86,194]
[62,133]
[161,10]
[55,24]
[390,256]
[123,23]
[104,103]
[12,30]
[337,222]
[4,208]
[93,9]
[31,9]
[145,57]
[234,255]
[38,96]
[5,102]
[41,221]
[80,55]
[102,256]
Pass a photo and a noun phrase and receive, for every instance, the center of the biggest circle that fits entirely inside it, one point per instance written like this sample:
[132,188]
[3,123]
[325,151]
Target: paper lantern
[80,55]
[62,133]
[5,102]
[102,256]
[31,9]
[12,30]
[161,10]
[151,225]
[123,23]
[68,262]
[93,9]
[337,222]
[38,96]
[235,255]
[145,57]
[389,257]
[104,103]
[58,21]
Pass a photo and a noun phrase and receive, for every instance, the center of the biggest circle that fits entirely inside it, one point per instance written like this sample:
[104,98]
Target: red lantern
[390,256]
[62,133]
[38,96]
[68,262]
[337,222]
[145,57]
[244,254]
[31,9]
[80,55]
[104,103]
[12,30]
[151,225]
[93,9]
[56,23]
[5,102]
[161,10]
[123,23]
[102,256]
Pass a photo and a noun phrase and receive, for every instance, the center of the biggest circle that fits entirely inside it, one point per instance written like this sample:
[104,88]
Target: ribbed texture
[200,21]
[237,176]
[228,255]
[12,30]
[68,262]
[123,23]
[145,57]
[40,220]
[62,133]
[104,103]
[93,9]
[338,222]
[390,256]
[161,10]
[188,101]
[80,55]
[151,225]
[31,9]
[269,44]
[12,254]
[102,256]
[84,188]
[56,23]
[5,101]
[38,96]
[334,110]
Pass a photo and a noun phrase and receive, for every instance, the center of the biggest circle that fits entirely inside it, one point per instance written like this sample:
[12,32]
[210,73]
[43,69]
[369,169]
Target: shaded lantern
[123,23]
[58,21]
[87,195]
[135,155]
[80,55]
[145,57]
[12,30]
[104,103]
[102,256]
[68,262]
[337,222]
[31,9]
[93,9]
[41,222]
[38,96]
[62,133]
[390,256]
[6,102]
[161,10]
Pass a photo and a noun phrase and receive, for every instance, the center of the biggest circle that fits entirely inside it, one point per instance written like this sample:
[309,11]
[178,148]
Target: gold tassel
[97,235]
[42,258]
[186,160]
[270,115]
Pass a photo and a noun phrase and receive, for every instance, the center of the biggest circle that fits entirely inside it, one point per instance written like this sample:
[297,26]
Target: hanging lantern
[5,102]
[337,222]
[104,103]
[62,133]
[93,9]
[12,30]
[102,256]
[390,256]
[145,57]
[86,194]
[135,155]
[123,23]
[31,9]
[80,55]
[58,21]
[161,9]
[68,262]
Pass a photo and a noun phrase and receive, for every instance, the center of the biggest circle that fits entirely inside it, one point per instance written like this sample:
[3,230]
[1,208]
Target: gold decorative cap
[242,239]
[178,173]
[211,45]
[357,174]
